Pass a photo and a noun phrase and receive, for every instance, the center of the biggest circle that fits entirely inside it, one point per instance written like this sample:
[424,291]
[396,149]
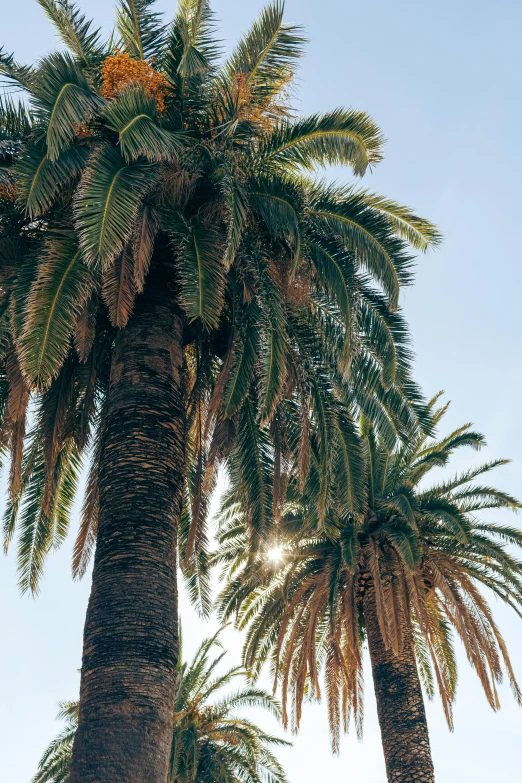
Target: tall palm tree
[175,288]
[209,741]
[405,576]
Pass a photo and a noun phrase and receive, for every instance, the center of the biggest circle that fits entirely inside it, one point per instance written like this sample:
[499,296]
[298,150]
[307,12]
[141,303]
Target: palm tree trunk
[131,639]
[400,704]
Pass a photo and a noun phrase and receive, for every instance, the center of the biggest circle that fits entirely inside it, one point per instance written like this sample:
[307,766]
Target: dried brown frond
[13,429]
[177,185]
[56,425]
[17,450]
[85,328]
[119,288]
[266,114]
[203,483]
[145,231]
[88,530]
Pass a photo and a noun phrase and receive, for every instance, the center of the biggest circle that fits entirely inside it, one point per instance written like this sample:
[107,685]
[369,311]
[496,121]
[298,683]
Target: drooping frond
[108,199]
[40,180]
[63,100]
[342,137]
[202,272]
[119,288]
[418,232]
[60,290]
[134,118]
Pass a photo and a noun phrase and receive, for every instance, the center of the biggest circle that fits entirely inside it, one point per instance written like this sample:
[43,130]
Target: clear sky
[443,81]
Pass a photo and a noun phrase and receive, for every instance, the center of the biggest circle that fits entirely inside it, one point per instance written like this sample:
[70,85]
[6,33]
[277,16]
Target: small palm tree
[405,576]
[176,287]
[209,742]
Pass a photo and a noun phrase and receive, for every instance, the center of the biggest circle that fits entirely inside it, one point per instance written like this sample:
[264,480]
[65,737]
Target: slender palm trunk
[131,639]
[400,705]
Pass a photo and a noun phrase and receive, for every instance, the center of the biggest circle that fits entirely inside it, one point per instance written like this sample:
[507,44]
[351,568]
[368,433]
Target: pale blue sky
[443,81]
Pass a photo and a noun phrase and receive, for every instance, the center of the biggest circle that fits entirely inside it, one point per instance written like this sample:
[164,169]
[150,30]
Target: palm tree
[209,741]
[177,288]
[406,576]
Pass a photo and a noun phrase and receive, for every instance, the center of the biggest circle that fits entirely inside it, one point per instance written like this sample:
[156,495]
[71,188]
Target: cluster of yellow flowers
[120,69]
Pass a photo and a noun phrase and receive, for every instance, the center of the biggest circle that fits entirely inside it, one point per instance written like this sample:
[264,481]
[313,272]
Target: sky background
[443,81]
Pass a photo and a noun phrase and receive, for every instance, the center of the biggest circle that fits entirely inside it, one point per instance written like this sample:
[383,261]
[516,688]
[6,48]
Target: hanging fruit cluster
[8,191]
[119,70]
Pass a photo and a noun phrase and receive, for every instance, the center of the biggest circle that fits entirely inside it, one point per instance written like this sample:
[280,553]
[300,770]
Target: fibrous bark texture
[400,704]
[131,638]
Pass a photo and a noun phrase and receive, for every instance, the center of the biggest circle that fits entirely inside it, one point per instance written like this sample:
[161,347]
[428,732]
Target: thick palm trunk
[400,705]
[131,639]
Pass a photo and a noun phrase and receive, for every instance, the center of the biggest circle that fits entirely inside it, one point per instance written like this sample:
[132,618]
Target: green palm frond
[60,289]
[54,764]
[40,180]
[344,137]
[20,75]
[349,463]
[141,31]
[16,121]
[266,56]
[342,213]
[193,47]
[418,232]
[335,269]
[62,99]
[202,272]
[251,468]
[239,376]
[74,30]
[273,351]
[108,199]
[134,117]
[279,207]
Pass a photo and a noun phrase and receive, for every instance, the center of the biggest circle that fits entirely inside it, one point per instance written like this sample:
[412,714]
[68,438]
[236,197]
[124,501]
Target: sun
[275,554]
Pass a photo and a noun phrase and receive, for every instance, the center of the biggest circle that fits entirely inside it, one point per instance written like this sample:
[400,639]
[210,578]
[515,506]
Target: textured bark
[131,638]
[400,704]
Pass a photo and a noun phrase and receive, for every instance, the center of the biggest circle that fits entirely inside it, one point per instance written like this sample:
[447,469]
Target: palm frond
[142,33]
[107,202]
[344,137]
[202,272]
[418,232]
[134,117]
[266,57]
[57,296]
[74,30]
[40,180]
[18,75]
[63,100]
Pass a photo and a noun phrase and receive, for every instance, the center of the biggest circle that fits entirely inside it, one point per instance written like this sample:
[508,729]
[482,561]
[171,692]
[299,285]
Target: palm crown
[209,741]
[420,551]
[148,147]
